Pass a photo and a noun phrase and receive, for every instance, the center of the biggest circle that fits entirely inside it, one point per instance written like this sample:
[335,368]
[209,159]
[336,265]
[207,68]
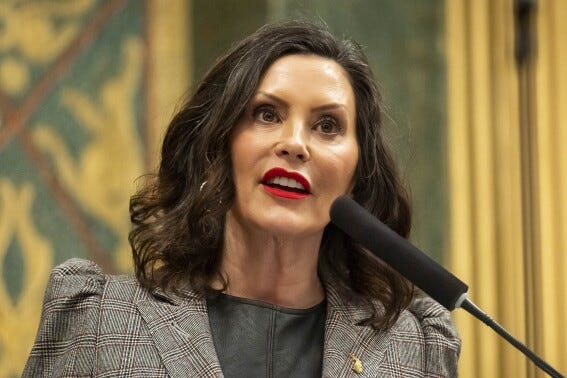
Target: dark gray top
[258,339]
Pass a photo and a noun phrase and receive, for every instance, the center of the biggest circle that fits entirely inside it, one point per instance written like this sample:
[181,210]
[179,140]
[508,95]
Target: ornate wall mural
[72,142]
[101,178]
[25,261]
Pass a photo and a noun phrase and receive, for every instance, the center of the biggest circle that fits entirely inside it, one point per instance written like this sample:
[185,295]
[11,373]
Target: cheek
[354,170]
[350,163]
[238,169]
[247,151]
[239,153]
[341,170]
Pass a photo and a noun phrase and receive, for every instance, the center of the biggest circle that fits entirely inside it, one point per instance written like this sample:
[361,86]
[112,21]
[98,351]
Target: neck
[271,268]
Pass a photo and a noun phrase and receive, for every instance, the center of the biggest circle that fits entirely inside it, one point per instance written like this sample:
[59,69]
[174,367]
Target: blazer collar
[181,332]
[180,328]
[346,341]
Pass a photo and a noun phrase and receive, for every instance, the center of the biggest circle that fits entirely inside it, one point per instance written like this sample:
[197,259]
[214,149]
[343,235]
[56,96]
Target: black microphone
[417,267]
[400,254]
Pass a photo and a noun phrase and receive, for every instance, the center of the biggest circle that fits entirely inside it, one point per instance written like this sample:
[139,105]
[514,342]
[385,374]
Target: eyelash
[335,124]
[261,110]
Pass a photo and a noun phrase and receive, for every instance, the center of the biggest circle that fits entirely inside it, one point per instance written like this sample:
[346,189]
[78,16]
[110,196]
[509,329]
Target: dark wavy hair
[178,230]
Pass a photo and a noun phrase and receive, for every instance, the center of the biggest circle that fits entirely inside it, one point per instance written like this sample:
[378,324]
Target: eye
[266,114]
[328,125]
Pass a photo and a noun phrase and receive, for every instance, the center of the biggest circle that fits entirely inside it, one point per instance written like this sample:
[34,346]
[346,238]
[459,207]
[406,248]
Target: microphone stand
[475,311]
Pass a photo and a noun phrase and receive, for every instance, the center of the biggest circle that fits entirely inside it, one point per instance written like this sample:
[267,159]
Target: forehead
[308,75]
[297,63]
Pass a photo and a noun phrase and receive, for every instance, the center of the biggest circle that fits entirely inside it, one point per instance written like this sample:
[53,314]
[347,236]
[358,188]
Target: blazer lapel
[346,342]
[181,332]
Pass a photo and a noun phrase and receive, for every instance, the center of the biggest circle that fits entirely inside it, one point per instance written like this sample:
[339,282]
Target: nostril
[300,154]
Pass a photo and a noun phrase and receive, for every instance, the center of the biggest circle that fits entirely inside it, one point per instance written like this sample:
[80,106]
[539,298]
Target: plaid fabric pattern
[107,326]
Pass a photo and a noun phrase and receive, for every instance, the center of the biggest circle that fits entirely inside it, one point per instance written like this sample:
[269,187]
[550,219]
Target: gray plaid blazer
[107,326]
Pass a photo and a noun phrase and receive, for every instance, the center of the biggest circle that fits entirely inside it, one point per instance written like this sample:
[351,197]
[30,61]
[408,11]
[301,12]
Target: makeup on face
[284,184]
[294,150]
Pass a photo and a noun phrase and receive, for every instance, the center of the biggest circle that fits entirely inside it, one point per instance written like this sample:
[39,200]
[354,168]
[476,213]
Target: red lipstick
[282,191]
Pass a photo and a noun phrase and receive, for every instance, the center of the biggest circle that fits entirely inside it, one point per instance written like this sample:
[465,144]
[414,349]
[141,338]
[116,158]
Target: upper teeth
[286,181]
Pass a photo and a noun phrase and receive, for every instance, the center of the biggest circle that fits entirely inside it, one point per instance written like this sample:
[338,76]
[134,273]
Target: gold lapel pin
[356,363]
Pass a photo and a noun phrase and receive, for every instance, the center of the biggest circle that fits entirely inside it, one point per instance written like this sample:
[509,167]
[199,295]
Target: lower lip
[284,193]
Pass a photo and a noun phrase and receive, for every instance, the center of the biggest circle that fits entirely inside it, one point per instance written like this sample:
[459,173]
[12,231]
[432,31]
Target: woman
[238,271]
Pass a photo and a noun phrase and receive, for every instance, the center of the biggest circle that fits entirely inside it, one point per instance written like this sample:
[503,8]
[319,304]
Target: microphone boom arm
[475,311]
[418,268]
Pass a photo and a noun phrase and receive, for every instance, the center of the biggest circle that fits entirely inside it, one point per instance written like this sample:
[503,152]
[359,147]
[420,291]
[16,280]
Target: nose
[293,142]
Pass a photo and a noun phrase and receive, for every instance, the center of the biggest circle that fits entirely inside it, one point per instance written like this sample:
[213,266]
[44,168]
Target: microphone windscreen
[396,251]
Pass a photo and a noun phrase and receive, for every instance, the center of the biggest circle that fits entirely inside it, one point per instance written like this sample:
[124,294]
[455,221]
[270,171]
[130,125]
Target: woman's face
[294,150]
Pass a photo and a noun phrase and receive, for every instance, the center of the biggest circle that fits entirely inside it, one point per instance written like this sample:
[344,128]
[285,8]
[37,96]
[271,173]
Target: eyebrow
[330,106]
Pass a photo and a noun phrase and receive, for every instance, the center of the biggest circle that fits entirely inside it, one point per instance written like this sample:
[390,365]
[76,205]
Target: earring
[202,185]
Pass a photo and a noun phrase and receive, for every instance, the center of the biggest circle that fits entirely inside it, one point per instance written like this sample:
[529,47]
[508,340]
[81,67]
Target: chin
[290,227]
[279,221]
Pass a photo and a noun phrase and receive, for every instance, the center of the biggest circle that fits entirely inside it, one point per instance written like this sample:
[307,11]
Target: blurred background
[475,94]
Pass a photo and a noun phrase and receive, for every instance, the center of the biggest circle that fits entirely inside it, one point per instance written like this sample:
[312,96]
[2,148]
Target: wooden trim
[169,66]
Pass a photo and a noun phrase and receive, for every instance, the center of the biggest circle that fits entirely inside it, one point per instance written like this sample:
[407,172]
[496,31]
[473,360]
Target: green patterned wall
[71,144]
[74,123]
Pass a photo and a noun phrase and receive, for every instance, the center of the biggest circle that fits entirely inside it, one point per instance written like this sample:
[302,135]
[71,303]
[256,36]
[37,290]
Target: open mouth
[286,184]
